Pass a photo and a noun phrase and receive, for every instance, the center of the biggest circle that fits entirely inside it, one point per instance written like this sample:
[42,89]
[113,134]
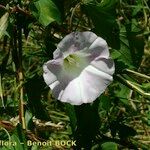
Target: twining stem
[133,86]
[1,91]
[17,58]
[21,101]
[138,74]
[20,74]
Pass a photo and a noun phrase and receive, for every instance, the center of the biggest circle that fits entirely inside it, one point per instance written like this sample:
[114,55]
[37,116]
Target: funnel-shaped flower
[81,69]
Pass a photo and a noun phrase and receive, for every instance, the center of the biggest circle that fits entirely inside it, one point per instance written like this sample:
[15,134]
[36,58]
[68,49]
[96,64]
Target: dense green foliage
[29,33]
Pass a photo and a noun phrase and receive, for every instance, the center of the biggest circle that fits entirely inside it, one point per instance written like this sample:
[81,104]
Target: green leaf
[105,102]
[115,54]
[146,86]
[46,12]
[122,92]
[3,24]
[109,146]
[72,116]
[19,137]
[18,145]
[35,147]
[123,55]
[17,141]
[125,49]
[132,45]
[104,20]
[28,118]
[136,42]
[137,9]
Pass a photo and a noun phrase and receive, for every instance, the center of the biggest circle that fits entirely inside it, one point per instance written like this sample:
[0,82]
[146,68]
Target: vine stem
[20,69]
[1,91]
[138,74]
[21,101]
[133,86]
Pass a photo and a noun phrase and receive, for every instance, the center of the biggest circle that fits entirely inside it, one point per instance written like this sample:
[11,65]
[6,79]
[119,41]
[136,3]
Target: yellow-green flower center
[71,60]
[74,64]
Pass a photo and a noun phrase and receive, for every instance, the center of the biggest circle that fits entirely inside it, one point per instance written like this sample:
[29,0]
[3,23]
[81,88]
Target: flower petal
[56,77]
[72,93]
[76,41]
[99,47]
[94,83]
[54,66]
[49,77]
[103,64]
[57,54]
[52,71]
[87,87]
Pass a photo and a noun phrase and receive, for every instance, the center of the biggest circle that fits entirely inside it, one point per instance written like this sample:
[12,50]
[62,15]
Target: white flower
[81,69]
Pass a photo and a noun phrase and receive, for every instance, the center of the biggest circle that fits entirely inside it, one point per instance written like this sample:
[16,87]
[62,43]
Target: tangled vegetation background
[29,33]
